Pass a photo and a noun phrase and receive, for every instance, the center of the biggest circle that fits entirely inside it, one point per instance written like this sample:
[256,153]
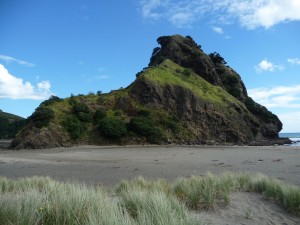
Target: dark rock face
[208,123]
[186,53]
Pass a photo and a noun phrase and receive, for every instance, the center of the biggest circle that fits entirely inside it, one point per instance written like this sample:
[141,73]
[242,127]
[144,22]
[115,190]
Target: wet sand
[109,165]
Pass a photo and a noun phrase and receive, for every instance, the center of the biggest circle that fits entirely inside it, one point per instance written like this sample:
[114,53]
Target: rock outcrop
[186,53]
[184,96]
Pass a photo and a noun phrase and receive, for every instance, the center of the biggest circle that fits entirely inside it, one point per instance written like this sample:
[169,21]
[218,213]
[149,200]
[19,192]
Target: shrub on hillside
[82,111]
[99,115]
[260,110]
[51,100]
[112,127]
[145,127]
[74,126]
[144,112]
[42,116]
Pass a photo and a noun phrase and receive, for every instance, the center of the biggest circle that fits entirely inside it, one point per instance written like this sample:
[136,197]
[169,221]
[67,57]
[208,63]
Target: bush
[187,72]
[260,111]
[51,100]
[74,126]
[144,112]
[82,112]
[112,127]
[42,116]
[145,127]
[99,115]
[216,58]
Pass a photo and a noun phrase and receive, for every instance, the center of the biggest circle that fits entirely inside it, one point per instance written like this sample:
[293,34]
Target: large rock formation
[185,96]
[186,53]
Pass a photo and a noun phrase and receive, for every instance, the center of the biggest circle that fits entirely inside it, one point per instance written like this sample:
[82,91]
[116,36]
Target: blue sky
[60,47]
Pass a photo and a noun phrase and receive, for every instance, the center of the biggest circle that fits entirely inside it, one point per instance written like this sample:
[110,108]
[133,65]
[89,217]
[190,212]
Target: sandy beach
[109,165]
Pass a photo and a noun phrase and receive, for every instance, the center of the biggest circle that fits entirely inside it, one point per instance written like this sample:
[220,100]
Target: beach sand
[107,166]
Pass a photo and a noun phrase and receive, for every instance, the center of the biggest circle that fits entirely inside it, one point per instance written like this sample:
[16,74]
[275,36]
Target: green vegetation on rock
[113,127]
[42,116]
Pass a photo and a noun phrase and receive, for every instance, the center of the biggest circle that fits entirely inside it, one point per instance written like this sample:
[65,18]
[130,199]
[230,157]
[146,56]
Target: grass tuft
[41,200]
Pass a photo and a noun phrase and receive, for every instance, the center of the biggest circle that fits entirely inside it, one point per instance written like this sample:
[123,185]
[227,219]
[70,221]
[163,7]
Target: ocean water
[295,137]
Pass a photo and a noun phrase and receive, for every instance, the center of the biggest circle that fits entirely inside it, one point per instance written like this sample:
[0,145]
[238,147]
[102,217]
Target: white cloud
[9,59]
[277,97]
[294,61]
[250,13]
[282,99]
[290,121]
[266,65]
[218,30]
[148,7]
[15,88]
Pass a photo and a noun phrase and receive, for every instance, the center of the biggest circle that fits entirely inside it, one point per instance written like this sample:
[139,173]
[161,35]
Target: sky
[62,47]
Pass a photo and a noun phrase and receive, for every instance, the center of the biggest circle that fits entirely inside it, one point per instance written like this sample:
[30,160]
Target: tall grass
[202,192]
[44,201]
[41,200]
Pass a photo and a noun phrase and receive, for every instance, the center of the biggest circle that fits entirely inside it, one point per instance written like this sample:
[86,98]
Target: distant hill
[9,125]
[184,96]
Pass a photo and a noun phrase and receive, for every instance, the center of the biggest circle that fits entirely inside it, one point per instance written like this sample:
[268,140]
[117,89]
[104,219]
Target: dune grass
[41,200]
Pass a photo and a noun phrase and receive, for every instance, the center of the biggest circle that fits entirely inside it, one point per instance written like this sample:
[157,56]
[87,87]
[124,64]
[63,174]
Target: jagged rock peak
[185,52]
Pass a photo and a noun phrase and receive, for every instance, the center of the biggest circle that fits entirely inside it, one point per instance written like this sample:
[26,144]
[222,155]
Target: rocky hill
[184,96]
[9,125]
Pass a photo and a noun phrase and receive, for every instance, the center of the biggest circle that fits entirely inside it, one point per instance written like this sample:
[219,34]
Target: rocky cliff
[186,53]
[184,96]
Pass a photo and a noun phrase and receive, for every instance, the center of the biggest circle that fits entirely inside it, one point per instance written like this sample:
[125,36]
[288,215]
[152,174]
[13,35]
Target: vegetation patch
[42,116]
[74,126]
[145,127]
[41,200]
[169,73]
[113,127]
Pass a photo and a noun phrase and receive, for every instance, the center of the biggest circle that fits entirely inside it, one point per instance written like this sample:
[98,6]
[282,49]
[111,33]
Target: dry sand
[109,165]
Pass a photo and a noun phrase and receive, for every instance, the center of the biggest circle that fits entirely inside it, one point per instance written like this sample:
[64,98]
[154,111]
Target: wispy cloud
[16,88]
[294,61]
[280,96]
[285,100]
[9,59]
[266,65]
[218,30]
[250,14]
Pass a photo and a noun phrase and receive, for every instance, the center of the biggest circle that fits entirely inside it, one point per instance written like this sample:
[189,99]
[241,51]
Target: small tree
[113,127]
[216,58]
[42,116]
[74,126]
[145,127]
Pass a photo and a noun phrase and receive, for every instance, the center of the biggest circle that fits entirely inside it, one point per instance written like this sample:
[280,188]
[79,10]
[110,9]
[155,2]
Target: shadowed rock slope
[184,96]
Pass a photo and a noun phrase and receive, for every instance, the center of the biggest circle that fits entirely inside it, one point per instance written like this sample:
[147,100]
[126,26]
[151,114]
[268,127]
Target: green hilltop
[184,97]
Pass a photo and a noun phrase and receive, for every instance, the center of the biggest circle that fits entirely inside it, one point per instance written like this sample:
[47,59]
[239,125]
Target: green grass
[41,200]
[169,73]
